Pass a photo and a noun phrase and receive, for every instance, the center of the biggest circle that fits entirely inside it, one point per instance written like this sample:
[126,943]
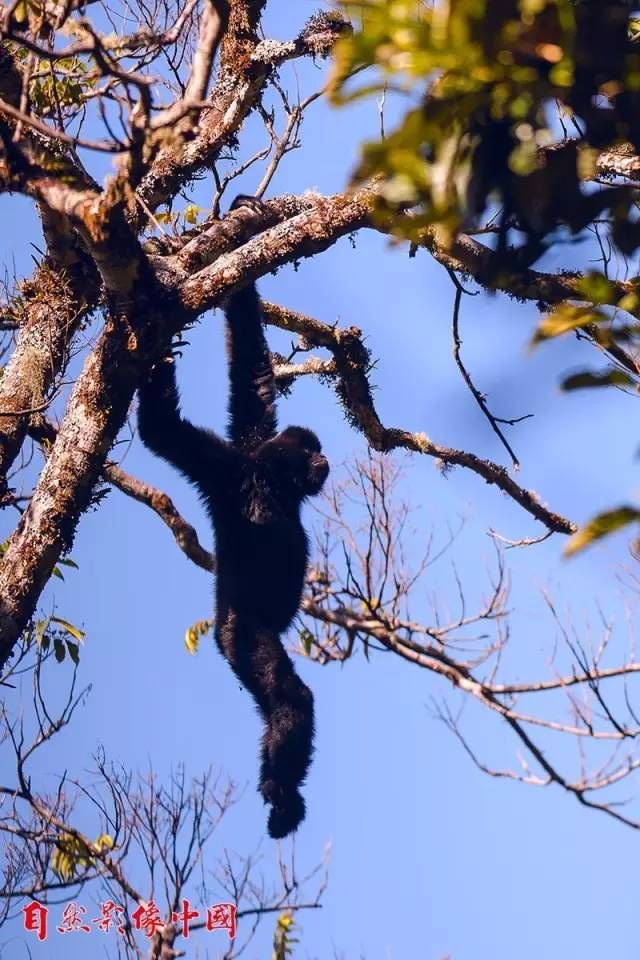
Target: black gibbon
[253,486]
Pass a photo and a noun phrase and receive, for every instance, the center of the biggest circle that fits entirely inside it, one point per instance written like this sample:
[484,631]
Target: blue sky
[429,857]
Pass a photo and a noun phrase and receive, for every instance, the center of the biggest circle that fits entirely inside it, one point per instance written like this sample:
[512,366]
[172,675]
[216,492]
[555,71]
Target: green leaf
[306,639]
[40,635]
[601,526]
[597,378]
[56,572]
[68,562]
[58,649]
[75,632]
[597,288]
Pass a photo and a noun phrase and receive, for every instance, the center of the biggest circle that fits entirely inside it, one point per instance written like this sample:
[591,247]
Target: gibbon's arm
[197,453]
[252,408]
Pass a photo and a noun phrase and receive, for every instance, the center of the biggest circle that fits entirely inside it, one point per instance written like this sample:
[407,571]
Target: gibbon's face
[296,455]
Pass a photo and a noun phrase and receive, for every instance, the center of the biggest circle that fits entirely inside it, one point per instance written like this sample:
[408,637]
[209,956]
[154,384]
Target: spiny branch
[352,366]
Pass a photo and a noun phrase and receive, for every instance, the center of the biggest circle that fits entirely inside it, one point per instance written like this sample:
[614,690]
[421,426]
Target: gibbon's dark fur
[253,486]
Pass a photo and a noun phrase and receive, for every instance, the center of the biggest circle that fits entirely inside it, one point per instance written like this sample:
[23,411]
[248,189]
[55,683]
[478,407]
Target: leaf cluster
[495,82]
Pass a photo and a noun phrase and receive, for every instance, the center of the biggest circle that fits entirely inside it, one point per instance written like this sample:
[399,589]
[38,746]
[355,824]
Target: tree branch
[184,534]
[245,68]
[352,365]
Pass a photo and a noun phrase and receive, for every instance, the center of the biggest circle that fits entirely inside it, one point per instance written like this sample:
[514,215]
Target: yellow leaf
[601,526]
[20,13]
[564,318]
[191,641]
[191,213]
[75,632]
[629,302]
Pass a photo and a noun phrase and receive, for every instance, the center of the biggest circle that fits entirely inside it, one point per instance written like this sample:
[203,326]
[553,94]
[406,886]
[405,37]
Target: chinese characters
[146,918]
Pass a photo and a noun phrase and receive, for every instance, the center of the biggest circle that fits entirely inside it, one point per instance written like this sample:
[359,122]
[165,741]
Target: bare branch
[184,534]
[477,396]
[366,599]
[352,363]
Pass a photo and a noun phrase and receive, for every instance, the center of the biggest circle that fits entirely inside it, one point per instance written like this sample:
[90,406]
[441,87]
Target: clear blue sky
[430,858]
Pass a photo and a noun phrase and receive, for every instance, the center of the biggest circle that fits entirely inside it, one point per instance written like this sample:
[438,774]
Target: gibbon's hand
[246,201]
[158,368]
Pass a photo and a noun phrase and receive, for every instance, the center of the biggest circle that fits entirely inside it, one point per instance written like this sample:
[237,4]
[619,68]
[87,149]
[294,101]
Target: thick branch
[317,228]
[225,236]
[622,161]
[59,293]
[95,412]
[245,68]
[54,306]
[472,258]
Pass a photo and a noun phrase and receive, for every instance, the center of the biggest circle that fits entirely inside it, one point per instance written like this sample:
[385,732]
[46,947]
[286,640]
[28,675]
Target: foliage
[72,857]
[487,77]
[609,522]
[56,630]
[514,107]
[194,633]
[283,941]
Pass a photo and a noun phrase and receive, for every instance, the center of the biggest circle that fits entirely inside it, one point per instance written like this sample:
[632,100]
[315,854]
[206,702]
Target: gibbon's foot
[287,813]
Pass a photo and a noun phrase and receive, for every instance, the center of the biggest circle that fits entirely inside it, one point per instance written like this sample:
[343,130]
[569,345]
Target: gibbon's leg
[260,662]
[287,745]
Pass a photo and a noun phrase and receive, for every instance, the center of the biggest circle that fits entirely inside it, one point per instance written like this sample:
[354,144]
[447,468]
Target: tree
[187,104]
